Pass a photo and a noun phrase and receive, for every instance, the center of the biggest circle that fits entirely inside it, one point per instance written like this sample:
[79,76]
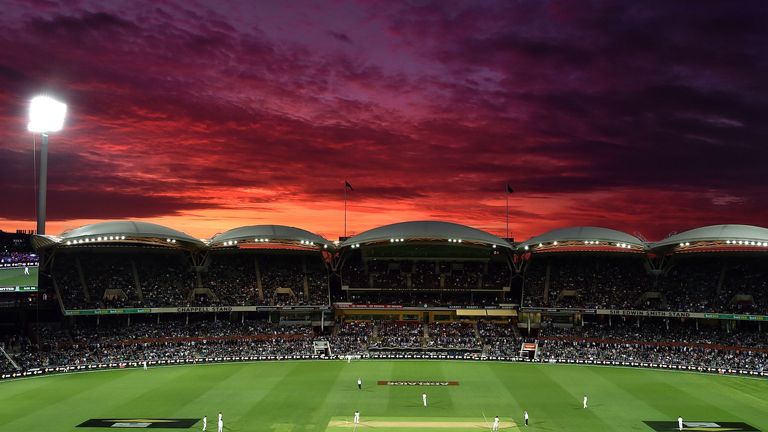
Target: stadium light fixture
[45,115]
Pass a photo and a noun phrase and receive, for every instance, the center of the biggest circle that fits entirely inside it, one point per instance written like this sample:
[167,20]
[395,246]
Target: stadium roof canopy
[425,231]
[121,232]
[716,238]
[584,238]
[268,237]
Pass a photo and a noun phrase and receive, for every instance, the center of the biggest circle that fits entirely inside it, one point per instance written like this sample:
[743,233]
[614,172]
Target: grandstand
[122,265]
[425,262]
[415,289]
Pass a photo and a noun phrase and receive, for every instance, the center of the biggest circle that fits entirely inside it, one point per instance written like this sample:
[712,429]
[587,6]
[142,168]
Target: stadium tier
[123,264]
[132,291]
[632,341]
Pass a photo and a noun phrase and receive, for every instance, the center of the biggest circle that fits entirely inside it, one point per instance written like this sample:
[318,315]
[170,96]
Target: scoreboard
[19,276]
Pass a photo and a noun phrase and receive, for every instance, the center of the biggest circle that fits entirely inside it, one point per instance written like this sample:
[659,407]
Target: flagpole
[345,210]
[346,186]
[507,214]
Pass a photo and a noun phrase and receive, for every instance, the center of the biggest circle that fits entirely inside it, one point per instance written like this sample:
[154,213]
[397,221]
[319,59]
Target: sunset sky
[648,117]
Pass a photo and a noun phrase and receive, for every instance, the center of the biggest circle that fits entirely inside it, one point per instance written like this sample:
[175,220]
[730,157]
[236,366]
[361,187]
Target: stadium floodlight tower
[45,115]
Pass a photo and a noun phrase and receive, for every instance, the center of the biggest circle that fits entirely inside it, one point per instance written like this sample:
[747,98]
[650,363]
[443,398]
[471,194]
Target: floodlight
[46,114]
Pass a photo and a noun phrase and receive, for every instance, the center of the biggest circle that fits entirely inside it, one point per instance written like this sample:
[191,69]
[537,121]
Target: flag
[509,188]
[347,185]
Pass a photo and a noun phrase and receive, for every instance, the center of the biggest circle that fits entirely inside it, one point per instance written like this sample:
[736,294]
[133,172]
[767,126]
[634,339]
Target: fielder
[496,424]
[424,399]
[221,424]
[359,384]
[585,401]
[26,270]
[357,418]
[145,365]
[680,423]
[525,415]
[205,423]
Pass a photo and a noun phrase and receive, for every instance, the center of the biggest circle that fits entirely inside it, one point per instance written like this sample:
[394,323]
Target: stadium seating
[653,341]
[140,279]
[691,284]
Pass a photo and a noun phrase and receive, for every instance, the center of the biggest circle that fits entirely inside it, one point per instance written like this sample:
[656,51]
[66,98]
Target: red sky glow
[647,117]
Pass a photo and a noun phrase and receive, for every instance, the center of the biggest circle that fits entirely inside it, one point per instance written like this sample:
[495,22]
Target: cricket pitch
[444,424]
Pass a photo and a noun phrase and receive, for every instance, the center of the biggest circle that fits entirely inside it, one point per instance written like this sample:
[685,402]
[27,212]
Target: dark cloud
[341,37]
[84,188]
[88,24]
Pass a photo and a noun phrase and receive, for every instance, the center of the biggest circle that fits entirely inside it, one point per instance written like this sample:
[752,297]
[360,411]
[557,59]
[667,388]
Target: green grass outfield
[322,396]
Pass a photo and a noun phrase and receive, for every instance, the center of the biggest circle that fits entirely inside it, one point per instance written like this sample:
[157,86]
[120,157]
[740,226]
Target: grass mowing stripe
[678,399]
[49,402]
[752,394]
[252,395]
[558,400]
[604,389]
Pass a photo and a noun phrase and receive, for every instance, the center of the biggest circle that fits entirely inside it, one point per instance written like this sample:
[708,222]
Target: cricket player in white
[359,383]
[205,423]
[585,401]
[424,398]
[680,423]
[525,415]
[357,417]
[145,365]
[26,270]
[496,424]
[221,424]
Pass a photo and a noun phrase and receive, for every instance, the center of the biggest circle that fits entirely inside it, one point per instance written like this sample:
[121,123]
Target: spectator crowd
[653,341]
[657,342]
[691,284]
[131,279]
